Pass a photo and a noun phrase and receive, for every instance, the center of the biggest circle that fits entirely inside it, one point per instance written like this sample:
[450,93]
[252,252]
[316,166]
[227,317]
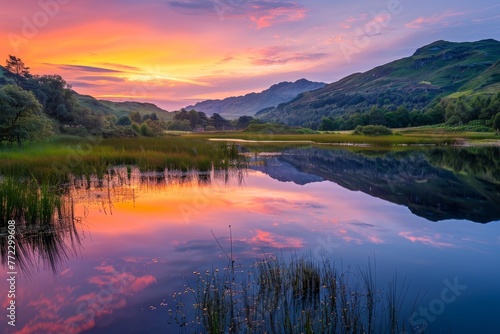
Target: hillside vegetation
[40,106]
[120,109]
[442,82]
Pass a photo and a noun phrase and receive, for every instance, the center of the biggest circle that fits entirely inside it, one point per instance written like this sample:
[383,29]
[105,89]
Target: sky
[177,52]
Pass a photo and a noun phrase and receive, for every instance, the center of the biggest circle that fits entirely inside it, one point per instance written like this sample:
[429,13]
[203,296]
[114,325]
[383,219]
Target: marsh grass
[299,295]
[45,230]
[65,155]
[342,139]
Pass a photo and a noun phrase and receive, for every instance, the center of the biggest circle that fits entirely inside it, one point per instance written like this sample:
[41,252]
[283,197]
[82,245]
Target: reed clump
[64,156]
[45,230]
[300,295]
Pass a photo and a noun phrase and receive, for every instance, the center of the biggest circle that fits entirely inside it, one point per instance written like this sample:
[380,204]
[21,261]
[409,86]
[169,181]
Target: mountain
[250,104]
[421,180]
[120,109]
[439,71]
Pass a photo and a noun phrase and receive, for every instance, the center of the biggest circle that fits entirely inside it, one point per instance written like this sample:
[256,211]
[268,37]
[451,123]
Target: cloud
[100,78]
[263,13]
[432,20]
[347,23]
[121,67]
[84,84]
[192,7]
[277,55]
[495,18]
[360,224]
[267,13]
[268,239]
[84,68]
[426,240]
[109,292]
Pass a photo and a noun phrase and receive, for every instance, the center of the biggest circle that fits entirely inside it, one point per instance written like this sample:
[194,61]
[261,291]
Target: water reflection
[436,184]
[144,234]
[45,229]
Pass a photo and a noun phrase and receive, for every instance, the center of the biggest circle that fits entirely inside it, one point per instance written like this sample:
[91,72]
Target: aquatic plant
[299,295]
[45,230]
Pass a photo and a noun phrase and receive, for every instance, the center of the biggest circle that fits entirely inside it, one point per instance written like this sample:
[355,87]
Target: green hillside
[436,73]
[38,106]
[120,109]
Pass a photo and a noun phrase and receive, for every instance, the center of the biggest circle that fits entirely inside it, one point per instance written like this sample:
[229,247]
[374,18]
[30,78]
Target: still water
[430,215]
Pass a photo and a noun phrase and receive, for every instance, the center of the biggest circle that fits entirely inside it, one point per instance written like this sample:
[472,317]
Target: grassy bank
[61,156]
[434,136]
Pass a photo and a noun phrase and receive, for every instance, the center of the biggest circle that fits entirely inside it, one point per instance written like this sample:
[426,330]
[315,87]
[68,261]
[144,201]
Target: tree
[243,122]
[145,130]
[219,122]
[16,66]
[136,117]
[153,116]
[20,110]
[179,125]
[496,122]
[37,127]
[124,121]
[194,118]
[327,124]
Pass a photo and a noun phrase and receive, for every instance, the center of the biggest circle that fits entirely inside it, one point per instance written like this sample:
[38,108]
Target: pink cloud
[375,239]
[432,20]
[110,291]
[349,239]
[43,327]
[348,23]
[353,19]
[106,269]
[141,283]
[263,18]
[280,55]
[264,238]
[426,240]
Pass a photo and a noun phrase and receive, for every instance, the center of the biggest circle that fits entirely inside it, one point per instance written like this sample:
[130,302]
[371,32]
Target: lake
[428,216]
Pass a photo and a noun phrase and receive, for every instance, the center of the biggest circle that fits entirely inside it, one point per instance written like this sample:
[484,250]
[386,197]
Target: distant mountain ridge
[438,70]
[250,104]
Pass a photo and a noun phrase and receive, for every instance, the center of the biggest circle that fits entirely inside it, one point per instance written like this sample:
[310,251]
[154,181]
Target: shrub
[210,128]
[372,130]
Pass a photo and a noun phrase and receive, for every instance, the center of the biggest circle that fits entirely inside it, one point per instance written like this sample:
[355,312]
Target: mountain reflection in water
[436,184]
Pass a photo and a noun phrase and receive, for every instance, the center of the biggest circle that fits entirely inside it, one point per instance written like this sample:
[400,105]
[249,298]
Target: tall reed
[300,295]
[45,228]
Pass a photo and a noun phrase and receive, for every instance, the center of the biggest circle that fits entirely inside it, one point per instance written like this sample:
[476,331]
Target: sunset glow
[178,52]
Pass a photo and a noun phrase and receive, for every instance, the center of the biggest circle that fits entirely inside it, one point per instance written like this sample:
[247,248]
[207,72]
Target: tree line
[481,110]
[38,106]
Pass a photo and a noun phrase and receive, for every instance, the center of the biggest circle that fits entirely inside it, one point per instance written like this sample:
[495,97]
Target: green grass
[64,155]
[339,138]
[44,222]
[300,295]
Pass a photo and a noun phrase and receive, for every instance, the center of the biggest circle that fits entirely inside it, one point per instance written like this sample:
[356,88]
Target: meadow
[401,137]
[61,156]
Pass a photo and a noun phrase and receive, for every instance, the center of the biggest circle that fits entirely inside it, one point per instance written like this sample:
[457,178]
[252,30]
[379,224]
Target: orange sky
[177,52]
